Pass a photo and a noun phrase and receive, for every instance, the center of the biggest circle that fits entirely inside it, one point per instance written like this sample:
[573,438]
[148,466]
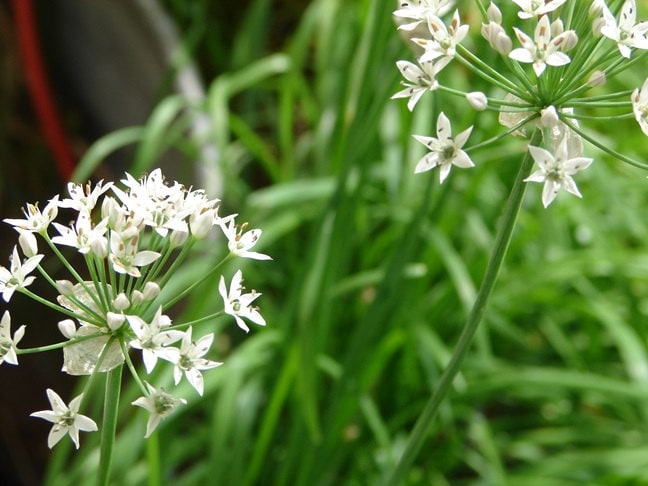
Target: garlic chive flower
[421,78]
[445,150]
[133,236]
[190,360]
[626,32]
[7,343]
[16,277]
[159,404]
[556,171]
[542,50]
[237,304]
[66,419]
[536,8]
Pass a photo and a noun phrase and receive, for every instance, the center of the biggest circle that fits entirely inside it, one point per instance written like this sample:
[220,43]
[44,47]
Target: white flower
[421,10]
[159,404]
[66,420]
[444,40]
[240,241]
[556,171]
[152,339]
[626,33]
[16,277]
[421,79]
[542,50]
[35,220]
[535,8]
[7,343]
[237,304]
[640,106]
[190,360]
[494,33]
[84,198]
[446,151]
[83,236]
[124,255]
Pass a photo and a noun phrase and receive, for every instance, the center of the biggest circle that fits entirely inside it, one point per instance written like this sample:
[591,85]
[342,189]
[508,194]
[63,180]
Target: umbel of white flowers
[132,239]
[578,49]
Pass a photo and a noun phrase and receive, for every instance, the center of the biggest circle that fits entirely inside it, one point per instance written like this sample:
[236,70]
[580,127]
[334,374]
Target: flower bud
[151,290]
[549,117]
[121,302]
[494,14]
[177,238]
[557,28]
[137,297]
[570,39]
[67,328]
[114,320]
[597,78]
[99,247]
[477,100]
[201,223]
[65,288]
[27,242]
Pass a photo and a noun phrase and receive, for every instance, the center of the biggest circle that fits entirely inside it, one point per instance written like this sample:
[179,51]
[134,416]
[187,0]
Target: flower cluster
[559,51]
[130,240]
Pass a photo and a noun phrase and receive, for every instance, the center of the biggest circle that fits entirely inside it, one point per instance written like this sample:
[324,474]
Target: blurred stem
[109,423]
[495,262]
[153,460]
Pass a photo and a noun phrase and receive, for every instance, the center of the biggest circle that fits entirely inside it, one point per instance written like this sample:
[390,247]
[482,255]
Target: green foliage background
[374,272]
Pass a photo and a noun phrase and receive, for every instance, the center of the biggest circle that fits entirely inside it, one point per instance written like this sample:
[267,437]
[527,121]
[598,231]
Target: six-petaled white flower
[542,50]
[420,10]
[153,338]
[7,343]
[421,79]
[36,221]
[190,360]
[237,303]
[556,171]
[442,47]
[66,419]
[626,33]
[445,150]
[159,405]
[16,277]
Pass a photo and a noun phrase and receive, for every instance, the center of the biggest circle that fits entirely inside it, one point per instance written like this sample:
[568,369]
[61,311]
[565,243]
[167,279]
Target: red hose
[39,90]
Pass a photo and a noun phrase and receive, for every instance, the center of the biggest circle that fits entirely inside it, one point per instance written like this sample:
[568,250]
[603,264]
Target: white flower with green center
[237,303]
[16,277]
[7,343]
[536,8]
[84,197]
[556,171]
[84,235]
[190,360]
[66,419]
[240,241]
[421,79]
[445,150]
[125,256]
[626,33]
[153,339]
[640,106]
[444,40]
[542,50]
[159,405]
[36,221]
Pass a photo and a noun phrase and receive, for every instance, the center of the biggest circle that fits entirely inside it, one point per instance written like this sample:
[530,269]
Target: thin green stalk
[109,423]
[153,460]
[495,262]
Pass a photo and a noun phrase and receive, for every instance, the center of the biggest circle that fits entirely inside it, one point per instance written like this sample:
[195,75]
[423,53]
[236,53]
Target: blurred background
[281,108]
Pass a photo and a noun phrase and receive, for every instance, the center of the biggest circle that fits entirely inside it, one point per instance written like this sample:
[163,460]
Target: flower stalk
[495,262]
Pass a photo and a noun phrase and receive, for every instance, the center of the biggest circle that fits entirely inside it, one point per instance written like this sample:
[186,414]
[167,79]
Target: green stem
[495,262]
[109,423]
[153,460]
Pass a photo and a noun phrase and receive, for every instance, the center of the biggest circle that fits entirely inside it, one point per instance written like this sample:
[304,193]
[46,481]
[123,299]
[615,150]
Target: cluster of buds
[131,241]
[569,49]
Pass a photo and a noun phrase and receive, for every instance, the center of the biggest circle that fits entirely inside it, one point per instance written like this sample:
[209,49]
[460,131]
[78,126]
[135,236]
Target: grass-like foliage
[374,273]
